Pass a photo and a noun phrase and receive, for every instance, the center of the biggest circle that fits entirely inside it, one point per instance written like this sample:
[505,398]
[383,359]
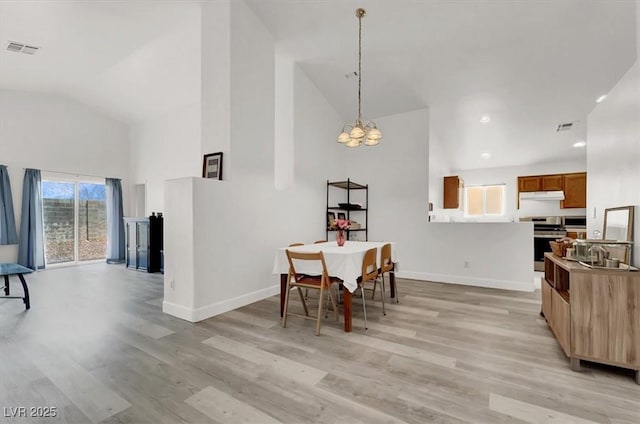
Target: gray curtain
[31,248]
[8,233]
[115,224]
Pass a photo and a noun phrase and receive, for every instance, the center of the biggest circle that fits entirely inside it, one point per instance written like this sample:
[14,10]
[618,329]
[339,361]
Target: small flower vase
[340,238]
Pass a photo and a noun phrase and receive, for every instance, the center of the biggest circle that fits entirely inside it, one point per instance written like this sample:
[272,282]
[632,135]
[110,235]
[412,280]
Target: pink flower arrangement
[342,224]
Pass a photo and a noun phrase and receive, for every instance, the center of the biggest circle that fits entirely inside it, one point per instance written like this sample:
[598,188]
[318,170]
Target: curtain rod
[70,173]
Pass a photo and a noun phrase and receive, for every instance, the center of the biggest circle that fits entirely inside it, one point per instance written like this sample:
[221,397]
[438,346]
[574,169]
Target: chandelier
[353,135]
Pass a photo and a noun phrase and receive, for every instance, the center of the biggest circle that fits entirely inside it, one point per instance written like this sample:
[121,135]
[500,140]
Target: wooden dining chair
[386,266]
[321,283]
[369,275]
[306,293]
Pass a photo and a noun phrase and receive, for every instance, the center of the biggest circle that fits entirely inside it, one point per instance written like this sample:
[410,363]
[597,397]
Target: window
[484,201]
[75,220]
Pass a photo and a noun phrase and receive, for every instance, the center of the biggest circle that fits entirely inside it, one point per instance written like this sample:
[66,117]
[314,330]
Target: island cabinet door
[546,301]
[561,323]
[605,317]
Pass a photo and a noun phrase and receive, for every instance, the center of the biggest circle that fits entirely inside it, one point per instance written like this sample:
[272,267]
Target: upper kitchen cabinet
[528,184]
[575,190]
[452,190]
[574,186]
[552,182]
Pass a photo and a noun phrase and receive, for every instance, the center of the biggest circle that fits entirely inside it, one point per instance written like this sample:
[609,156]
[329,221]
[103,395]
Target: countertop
[574,266]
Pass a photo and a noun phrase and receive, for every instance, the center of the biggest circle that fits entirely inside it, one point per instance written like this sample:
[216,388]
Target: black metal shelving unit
[348,186]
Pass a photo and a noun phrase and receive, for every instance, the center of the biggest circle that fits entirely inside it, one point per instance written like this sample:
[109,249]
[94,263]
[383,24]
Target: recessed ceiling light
[580,143]
[601,98]
[485,155]
[485,118]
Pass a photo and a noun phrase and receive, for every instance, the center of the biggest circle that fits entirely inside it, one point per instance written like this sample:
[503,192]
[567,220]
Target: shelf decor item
[342,225]
[212,166]
[353,135]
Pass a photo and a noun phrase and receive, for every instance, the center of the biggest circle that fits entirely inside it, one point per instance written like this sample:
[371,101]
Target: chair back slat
[385,259]
[369,266]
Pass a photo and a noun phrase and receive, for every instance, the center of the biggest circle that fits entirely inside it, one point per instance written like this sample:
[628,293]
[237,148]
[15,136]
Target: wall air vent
[21,48]
[564,127]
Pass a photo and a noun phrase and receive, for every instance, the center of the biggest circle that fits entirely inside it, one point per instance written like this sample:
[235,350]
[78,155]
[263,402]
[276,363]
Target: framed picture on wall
[212,166]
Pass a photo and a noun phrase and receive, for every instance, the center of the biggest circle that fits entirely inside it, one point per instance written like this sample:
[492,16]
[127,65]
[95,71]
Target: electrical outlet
[173,284]
[466,264]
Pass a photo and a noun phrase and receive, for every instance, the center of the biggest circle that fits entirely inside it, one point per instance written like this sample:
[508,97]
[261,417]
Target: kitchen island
[593,313]
[496,255]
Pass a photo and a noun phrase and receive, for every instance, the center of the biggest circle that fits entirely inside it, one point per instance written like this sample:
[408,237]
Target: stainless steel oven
[545,229]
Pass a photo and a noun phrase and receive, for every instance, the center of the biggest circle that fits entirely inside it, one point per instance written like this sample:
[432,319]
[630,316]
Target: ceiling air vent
[21,48]
[30,49]
[564,127]
[15,47]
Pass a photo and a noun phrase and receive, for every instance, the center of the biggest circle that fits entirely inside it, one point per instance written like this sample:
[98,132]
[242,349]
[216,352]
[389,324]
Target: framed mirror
[618,223]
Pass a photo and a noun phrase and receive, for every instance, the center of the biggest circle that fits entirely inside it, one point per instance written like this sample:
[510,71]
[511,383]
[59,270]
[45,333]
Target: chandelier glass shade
[353,135]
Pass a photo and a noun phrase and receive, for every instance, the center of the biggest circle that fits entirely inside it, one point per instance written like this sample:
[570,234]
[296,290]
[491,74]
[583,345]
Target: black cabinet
[144,243]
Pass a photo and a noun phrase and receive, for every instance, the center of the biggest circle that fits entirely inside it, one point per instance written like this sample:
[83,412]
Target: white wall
[496,255]
[238,223]
[613,154]
[215,73]
[163,148]
[439,167]
[397,173]
[169,145]
[49,132]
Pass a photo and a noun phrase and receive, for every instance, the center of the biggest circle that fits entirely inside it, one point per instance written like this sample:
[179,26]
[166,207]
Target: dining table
[343,262]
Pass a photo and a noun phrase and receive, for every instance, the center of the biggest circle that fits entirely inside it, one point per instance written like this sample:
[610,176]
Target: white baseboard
[178,311]
[469,281]
[217,308]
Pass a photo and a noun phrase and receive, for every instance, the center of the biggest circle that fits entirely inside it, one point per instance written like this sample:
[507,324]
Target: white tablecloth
[343,262]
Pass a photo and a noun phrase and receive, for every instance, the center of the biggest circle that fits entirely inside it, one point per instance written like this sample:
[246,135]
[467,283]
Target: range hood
[542,195]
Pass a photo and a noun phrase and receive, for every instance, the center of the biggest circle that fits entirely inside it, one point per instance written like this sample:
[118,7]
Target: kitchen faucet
[601,254]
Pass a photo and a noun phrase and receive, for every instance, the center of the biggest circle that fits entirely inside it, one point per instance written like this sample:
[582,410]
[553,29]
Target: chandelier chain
[359,65]
[356,134]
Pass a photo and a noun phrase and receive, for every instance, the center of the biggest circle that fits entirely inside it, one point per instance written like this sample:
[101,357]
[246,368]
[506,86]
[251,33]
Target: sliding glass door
[75,220]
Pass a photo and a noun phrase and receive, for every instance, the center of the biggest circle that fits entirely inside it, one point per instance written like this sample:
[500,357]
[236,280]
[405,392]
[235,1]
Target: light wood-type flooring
[97,346]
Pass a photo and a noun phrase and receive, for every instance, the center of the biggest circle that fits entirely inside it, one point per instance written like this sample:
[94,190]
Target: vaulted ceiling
[530,65]
[131,59]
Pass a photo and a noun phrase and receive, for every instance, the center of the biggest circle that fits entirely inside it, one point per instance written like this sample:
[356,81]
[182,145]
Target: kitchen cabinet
[593,313]
[574,186]
[552,182]
[527,184]
[540,183]
[575,190]
[452,192]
